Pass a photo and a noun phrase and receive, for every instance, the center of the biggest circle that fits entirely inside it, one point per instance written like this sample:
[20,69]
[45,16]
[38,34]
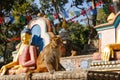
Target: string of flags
[75,14]
[15,19]
[107,10]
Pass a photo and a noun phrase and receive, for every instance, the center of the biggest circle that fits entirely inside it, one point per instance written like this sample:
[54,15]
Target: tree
[105,2]
[53,6]
[77,3]
[11,31]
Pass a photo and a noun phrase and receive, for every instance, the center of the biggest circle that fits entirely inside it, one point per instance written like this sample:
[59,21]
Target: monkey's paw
[51,71]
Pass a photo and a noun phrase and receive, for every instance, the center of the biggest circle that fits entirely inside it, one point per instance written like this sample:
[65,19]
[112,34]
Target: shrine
[109,32]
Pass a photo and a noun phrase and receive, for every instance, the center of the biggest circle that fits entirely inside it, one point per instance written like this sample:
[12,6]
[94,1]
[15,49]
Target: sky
[37,2]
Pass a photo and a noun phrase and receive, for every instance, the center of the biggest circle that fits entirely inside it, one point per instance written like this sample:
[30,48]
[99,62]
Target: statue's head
[26,36]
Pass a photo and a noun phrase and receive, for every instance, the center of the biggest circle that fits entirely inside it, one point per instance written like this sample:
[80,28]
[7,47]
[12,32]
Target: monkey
[49,58]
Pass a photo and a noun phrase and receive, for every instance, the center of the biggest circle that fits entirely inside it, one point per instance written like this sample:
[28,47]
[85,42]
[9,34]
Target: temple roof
[111,17]
[113,21]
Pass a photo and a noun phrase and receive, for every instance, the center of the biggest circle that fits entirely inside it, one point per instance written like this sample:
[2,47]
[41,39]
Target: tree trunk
[94,16]
[93,32]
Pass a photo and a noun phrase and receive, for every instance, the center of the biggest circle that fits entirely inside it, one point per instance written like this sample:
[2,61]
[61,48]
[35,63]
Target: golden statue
[108,51]
[25,59]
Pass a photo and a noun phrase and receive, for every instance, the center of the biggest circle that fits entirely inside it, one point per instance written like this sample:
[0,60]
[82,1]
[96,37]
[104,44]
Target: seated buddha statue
[25,59]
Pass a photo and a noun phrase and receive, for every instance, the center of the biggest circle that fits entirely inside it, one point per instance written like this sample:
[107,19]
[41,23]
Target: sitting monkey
[49,59]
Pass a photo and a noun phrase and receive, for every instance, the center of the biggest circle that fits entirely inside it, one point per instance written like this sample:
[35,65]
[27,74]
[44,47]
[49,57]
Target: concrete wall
[107,37]
[72,63]
[118,34]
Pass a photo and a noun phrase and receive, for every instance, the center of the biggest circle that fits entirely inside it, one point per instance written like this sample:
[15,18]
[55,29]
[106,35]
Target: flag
[6,19]
[55,15]
[50,16]
[65,14]
[83,12]
[1,20]
[77,12]
[11,19]
[71,13]
[94,11]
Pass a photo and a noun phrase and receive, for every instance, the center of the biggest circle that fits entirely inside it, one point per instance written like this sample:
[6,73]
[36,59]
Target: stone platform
[74,71]
[59,75]
[67,75]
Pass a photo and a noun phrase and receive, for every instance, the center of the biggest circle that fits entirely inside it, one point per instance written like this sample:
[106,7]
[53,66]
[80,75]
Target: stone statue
[25,59]
[40,35]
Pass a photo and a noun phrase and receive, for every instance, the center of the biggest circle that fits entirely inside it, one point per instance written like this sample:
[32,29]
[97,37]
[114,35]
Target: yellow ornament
[64,24]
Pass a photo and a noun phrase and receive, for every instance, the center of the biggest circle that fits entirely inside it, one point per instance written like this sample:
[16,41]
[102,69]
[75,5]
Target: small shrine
[109,32]
[109,41]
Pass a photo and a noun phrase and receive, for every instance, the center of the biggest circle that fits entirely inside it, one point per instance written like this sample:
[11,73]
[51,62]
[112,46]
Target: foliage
[79,34]
[8,5]
[105,2]
[21,9]
[79,2]
[101,16]
[50,5]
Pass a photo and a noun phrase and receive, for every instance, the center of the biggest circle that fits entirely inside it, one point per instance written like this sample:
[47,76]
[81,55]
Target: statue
[108,52]
[40,34]
[25,59]
[48,23]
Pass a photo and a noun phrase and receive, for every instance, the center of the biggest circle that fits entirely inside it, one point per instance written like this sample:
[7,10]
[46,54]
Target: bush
[79,35]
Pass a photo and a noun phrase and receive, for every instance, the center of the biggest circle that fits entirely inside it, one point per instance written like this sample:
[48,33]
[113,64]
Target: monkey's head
[56,41]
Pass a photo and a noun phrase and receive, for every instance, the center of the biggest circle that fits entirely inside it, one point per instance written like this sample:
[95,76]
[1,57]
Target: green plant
[79,35]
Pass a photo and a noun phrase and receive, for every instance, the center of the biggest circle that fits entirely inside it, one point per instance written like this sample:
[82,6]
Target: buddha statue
[25,59]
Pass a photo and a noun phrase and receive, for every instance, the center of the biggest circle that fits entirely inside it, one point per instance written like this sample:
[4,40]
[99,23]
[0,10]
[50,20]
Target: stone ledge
[59,75]
[67,75]
[72,65]
[76,57]
[14,77]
